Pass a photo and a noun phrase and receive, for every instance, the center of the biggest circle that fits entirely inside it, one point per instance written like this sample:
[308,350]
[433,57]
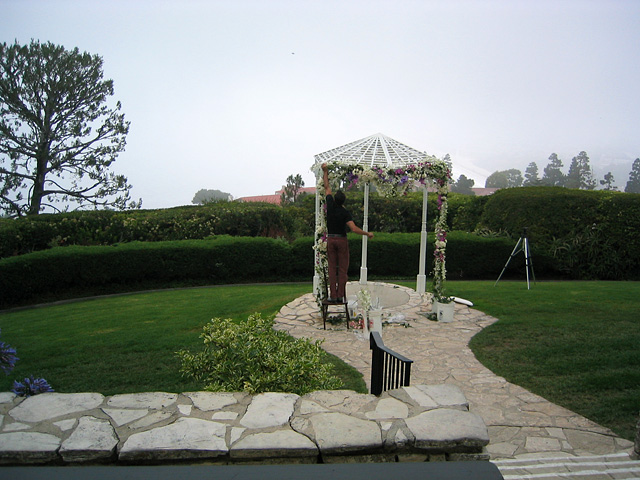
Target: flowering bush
[31,386]
[390,182]
[8,358]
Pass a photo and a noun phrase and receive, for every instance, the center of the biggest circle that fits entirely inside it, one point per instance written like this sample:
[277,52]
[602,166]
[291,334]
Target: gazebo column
[316,255]
[365,227]
[422,278]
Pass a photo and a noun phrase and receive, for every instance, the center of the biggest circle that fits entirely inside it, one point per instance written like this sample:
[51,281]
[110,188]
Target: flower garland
[389,183]
[439,253]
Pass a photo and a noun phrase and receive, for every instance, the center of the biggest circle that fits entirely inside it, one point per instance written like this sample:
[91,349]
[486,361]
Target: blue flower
[31,386]
[8,357]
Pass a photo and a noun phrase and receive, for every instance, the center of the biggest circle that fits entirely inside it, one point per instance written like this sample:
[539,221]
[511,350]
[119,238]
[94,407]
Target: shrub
[546,211]
[255,358]
[40,232]
[135,265]
[590,234]
[105,227]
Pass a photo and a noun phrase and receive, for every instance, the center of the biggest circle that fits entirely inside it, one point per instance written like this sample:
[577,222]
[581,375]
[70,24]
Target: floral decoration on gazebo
[389,182]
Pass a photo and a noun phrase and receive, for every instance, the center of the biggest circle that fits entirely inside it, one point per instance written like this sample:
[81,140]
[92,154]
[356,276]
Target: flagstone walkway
[520,423]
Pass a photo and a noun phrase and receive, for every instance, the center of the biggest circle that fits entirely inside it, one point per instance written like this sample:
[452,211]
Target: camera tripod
[527,257]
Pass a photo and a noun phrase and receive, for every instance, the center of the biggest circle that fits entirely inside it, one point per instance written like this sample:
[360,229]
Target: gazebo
[394,168]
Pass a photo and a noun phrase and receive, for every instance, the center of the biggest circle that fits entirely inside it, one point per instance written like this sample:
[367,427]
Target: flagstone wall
[417,423]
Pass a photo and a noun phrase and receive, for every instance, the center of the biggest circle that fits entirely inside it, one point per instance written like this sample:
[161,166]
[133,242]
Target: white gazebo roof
[374,151]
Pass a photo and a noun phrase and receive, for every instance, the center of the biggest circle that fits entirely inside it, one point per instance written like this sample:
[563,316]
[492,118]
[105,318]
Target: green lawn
[126,344]
[575,343]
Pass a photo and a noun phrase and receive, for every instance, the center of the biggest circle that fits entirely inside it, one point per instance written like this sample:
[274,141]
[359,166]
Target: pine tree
[580,174]
[553,176]
[633,185]
[608,183]
[531,175]
[59,134]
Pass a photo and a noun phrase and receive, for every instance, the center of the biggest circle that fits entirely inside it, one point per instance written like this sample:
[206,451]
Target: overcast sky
[236,95]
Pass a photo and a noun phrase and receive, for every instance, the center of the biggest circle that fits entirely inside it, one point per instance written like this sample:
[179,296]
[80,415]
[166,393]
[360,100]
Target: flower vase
[375,321]
[445,311]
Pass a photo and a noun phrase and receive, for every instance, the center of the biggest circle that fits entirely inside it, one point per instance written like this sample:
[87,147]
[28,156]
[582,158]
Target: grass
[576,344]
[126,344]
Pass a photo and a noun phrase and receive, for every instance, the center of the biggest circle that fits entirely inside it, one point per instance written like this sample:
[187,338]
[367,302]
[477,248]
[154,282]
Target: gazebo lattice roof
[374,151]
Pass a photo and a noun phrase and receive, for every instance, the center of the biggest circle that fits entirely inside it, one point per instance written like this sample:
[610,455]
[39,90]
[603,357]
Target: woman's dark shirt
[337,218]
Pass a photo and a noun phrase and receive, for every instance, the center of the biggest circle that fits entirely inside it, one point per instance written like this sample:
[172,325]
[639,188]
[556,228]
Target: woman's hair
[339,198]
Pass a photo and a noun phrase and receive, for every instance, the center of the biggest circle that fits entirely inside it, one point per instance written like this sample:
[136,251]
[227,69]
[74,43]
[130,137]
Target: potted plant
[445,308]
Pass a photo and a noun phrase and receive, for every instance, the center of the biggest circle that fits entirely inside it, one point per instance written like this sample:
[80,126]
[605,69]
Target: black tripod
[527,257]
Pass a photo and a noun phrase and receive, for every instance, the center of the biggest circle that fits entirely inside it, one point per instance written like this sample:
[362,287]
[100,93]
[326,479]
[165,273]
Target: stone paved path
[521,424]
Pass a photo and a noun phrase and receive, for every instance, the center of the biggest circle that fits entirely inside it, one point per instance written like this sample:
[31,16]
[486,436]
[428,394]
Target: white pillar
[422,278]
[316,277]
[365,227]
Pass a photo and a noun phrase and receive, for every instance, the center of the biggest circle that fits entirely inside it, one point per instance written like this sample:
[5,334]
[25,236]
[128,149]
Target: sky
[236,95]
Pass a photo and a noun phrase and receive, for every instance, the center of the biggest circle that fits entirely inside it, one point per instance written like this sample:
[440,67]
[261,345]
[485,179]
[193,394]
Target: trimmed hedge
[592,234]
[404,214]
[66,272]
[105,227]
[216,260]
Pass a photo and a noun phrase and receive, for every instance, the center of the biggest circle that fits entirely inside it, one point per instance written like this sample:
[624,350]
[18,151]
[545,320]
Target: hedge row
[40,232]
[65,272]
[549,212]
[104,227]
[592,234]
[404,214]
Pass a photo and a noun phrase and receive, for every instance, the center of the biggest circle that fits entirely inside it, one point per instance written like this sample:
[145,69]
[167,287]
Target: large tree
[205,196]
[633,184]
[552,175]
[580,174]
[58,136]
[504,179]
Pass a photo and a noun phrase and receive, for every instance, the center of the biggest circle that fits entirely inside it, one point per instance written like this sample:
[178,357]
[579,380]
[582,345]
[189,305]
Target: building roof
[482,192]
[374,151]
[275,198]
